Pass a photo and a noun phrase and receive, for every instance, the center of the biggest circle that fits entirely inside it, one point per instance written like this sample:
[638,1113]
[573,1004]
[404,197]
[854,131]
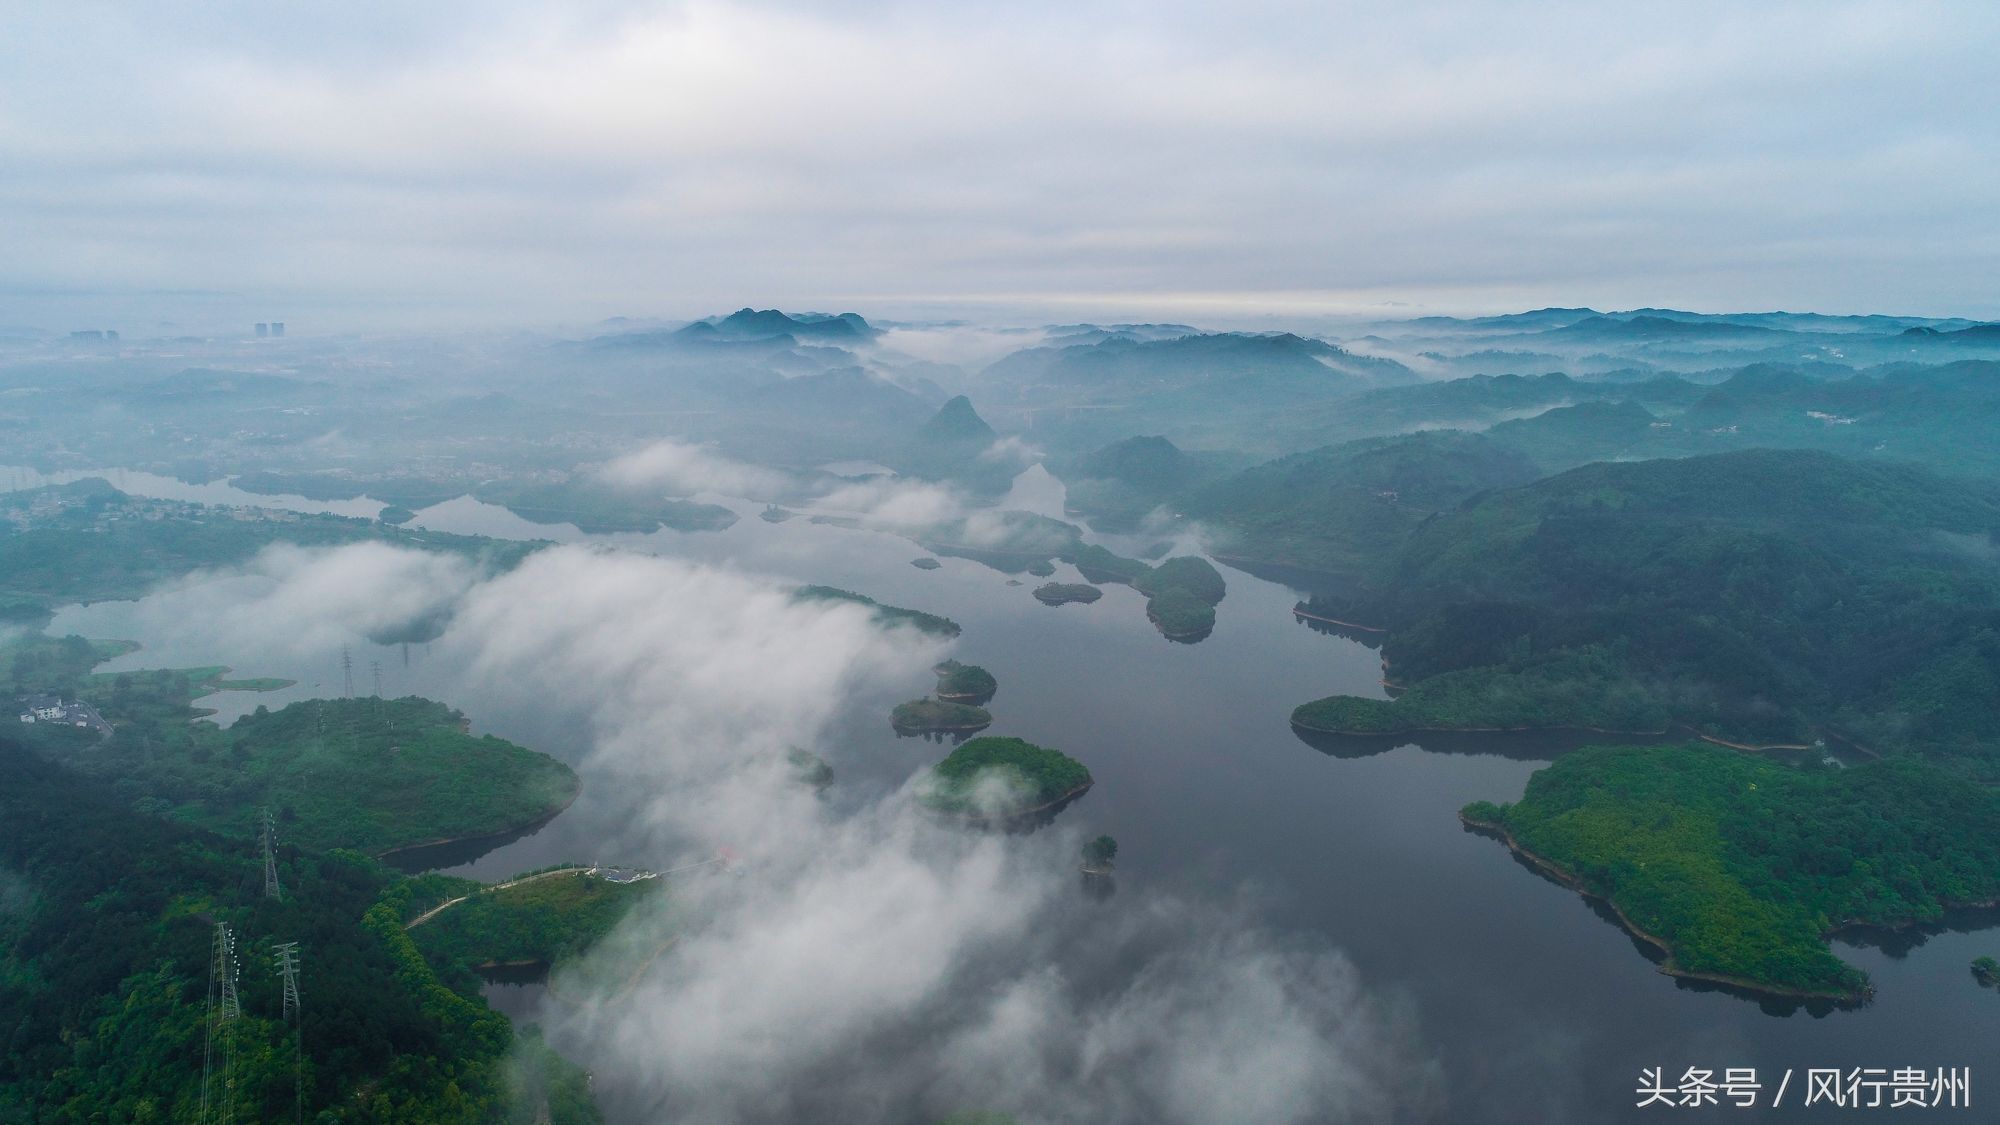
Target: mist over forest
[632,562]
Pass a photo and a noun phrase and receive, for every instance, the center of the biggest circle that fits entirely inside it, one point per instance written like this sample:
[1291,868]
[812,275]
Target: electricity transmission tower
[224,1009]
[375,666]
[286,957]
[270,842]
[346,673]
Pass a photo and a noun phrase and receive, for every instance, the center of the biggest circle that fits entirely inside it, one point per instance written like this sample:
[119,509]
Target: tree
[1100,852]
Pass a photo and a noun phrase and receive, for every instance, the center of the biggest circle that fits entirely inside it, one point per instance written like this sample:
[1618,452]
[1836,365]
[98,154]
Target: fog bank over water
[865,962]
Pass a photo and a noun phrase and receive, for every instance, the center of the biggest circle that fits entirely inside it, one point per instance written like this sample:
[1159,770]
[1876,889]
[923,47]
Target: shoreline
[1015,817]
[530,826]
[1185,635]
[1296,612]
[1667,967]
[1663,732]
[1400,731]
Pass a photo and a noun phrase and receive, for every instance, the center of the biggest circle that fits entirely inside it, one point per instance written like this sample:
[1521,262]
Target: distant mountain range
[764,324]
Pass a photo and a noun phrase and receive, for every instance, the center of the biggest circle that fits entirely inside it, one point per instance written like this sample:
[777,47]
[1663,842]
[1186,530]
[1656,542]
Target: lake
[1538,1008]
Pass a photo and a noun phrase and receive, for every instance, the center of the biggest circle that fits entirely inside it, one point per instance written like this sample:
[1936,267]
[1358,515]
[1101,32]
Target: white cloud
[896,503]
[310,601]
[864,963]
[683,470]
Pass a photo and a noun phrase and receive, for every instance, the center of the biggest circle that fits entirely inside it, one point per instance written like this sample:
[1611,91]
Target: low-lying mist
[856,960]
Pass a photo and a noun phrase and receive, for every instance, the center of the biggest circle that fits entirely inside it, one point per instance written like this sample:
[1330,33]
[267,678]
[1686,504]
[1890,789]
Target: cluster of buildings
[69,713]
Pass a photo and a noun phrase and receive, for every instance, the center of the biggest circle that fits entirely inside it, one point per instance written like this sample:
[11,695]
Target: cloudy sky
[387,163]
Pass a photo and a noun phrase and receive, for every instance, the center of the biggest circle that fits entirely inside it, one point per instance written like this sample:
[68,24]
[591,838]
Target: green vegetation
[774,514]
[965,683]
[1097,564]
[926,563]
[1120,484]
[98,544]
[395,514]
[1345,510]
[1099,854]
[1756,595]
[1029,777]
[1181,595]
[103,976]
[538,920]
[1060,593]
[885,615]
[1741,866]
[1986,971]
[34,663]
[1582,689]
[600,509]
[1196,576]
[931,716]
[369,774]
[1179,615]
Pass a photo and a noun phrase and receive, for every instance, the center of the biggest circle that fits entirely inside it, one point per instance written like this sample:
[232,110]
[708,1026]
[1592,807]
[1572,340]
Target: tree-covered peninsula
[531,920]
[370,774]
[1003,779]
[1738,867]
[105,944]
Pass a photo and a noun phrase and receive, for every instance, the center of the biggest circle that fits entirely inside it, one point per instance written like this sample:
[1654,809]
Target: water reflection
[1521,746]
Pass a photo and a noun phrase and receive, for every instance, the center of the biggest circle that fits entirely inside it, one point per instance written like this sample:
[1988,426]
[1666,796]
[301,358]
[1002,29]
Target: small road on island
[451,902]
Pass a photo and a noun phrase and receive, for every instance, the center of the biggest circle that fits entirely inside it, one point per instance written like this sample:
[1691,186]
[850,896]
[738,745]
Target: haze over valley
[778,563]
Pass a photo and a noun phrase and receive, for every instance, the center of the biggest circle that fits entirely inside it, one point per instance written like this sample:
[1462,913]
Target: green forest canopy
[1744,865]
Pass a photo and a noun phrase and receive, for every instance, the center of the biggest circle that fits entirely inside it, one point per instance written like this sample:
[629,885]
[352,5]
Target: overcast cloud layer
[389,164]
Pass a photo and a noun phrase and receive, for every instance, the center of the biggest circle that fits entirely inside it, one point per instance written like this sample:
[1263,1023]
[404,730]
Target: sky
[387,165]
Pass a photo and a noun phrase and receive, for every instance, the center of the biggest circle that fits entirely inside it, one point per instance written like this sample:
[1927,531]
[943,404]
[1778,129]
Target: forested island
[1738,868]
[1181,593]
[965,683]
[1003,779]
[887,615]
[1063,593]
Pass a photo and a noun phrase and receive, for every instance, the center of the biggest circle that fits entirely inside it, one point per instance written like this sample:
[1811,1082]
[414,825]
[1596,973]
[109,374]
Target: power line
[224,1009]
[286,957]
[270,842]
